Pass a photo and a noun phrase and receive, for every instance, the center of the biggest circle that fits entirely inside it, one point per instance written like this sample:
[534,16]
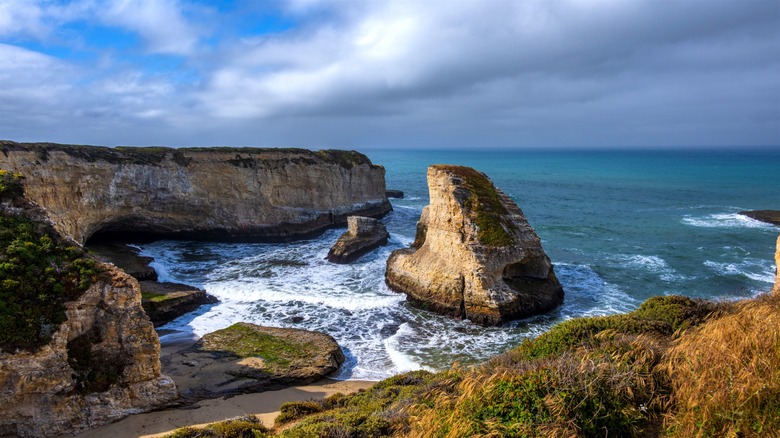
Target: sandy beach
[264,405]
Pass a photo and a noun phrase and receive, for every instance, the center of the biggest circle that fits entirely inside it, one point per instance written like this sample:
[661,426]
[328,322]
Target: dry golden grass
[726,374]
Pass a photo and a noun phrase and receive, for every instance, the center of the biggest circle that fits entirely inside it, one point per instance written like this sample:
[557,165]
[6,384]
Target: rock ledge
[364,234]
[246,358]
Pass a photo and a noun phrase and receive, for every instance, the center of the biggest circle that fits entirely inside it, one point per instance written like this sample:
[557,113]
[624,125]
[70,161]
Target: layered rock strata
[363,235]
[164,302]
[475,256]
[197,193]
[246,358]
[108,335]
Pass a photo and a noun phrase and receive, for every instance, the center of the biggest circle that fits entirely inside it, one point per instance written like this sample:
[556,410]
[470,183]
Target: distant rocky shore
[768,216]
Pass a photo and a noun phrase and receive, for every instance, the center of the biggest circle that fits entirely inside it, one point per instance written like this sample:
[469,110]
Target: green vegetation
[38,273]
[243,340]
[153,155]
[484,207]
[674,367]
[344,158]
[242,427]
[156,298]
[10,185]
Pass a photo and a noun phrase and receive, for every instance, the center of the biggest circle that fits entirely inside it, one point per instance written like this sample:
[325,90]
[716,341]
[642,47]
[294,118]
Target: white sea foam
[724,220]
[754,269]
[401,362]
[652,263]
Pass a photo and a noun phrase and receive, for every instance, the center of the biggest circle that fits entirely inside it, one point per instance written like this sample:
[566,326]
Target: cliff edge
[76,348]
[244,194]
[475,255]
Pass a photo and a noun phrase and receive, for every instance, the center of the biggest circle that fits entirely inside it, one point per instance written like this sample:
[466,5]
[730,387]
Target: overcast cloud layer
[394,74]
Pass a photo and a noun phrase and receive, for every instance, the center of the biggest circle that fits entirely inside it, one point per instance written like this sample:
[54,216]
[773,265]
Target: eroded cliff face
[475,255]
[102,364]
[198,193]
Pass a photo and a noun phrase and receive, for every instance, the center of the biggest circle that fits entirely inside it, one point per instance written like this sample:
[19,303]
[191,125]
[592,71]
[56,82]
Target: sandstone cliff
[198,193]
[76,348]
[475,255]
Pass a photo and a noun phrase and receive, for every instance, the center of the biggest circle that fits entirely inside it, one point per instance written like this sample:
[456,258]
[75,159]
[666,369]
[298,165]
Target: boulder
[363,235]
[164,302]
[475,256]
[394,193]
[246,358]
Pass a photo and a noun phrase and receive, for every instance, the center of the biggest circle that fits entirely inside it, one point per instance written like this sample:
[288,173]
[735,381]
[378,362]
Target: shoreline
[264,405]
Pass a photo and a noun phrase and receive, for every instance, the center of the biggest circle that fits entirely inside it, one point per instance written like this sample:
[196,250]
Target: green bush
[37,275]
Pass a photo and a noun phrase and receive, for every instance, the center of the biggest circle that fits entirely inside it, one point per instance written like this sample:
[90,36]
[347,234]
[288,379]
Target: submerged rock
[164,302]
[768,216]
[475,256]
[394,193]
[363,235]
[246,358]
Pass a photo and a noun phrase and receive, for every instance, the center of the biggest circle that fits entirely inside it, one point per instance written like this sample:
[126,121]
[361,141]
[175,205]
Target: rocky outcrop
[164,302]
[125,257]
[247,358]
[768,216]
[394,194]
[363,235]
[197,193]
[102,364]
[475,255]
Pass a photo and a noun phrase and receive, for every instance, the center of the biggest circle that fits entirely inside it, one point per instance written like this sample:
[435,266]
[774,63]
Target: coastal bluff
[223,194]
[475,256]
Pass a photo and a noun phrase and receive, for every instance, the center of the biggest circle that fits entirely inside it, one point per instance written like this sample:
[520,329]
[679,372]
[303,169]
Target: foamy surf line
[724,220]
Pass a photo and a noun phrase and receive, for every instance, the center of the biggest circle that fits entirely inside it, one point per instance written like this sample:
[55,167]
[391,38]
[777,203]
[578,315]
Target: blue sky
[392,74]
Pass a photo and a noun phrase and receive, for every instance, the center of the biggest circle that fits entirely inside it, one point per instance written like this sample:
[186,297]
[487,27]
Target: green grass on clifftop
[38,273]
[484,207]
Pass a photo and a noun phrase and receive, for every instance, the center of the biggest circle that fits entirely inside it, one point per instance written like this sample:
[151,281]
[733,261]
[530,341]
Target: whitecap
[754,269]
[724,220]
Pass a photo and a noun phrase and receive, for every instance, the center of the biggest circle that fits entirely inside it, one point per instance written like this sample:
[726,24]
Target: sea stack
[364,234]
[475,256]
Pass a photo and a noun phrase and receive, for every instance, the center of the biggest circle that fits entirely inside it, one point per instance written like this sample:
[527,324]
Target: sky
[392,74]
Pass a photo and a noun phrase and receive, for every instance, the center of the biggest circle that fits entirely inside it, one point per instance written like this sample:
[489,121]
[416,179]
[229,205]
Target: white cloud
[21,17]
[161,23]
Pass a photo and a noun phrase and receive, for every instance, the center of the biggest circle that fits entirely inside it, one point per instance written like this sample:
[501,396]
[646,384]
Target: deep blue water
[619,227]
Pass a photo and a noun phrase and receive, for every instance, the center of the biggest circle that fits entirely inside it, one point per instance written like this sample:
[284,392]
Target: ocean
[619,226]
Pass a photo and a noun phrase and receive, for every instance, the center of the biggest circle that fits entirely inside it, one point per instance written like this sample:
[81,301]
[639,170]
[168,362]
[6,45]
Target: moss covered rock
[247,358]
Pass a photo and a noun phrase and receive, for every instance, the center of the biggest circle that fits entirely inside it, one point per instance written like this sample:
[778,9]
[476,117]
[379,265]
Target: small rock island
[475,256]
[364,234]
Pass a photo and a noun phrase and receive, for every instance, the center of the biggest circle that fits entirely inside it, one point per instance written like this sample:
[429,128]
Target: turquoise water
[619,227]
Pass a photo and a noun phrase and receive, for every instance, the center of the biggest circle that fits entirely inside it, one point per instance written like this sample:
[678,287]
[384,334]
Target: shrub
[38,273]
